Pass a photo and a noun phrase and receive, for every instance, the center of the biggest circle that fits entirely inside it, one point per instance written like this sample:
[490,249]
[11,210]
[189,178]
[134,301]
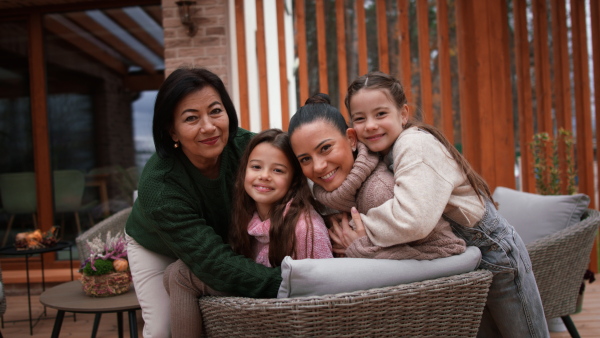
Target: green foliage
[547,163]
[103,267]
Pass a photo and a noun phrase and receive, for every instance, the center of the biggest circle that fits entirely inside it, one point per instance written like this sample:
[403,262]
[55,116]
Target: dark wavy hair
[175,88]
[393,88]
[282,235]
[318,107]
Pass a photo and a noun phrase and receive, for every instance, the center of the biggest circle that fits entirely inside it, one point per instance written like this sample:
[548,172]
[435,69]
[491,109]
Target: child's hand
[342,234]
[357,223]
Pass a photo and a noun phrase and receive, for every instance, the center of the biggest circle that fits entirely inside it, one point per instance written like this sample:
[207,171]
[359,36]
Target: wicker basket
[111,284]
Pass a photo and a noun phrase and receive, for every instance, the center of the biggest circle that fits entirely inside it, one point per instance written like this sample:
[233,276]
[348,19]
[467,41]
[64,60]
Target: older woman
[184,202]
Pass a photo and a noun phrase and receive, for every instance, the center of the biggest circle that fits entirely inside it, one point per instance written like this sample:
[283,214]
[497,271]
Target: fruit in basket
[120,264]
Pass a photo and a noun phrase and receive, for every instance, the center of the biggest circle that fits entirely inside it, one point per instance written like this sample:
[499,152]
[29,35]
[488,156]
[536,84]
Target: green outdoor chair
[18,197]
[68,193]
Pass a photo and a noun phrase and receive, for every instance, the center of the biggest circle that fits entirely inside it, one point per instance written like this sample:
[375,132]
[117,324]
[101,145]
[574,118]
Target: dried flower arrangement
[106,270]
[36,239]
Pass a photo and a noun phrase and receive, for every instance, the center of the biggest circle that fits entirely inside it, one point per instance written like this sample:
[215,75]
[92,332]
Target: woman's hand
[342,234]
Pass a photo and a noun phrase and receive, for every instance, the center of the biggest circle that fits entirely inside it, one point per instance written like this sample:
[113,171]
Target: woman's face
[325,154]
[201,126]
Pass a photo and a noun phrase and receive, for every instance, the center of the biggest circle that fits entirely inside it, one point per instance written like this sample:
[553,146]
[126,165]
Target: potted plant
[555,174]
[106,271]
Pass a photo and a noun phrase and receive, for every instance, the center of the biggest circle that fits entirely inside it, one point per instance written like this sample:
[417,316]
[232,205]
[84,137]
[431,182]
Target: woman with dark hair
[184,201]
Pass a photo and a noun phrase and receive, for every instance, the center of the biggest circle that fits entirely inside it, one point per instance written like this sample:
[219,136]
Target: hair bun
[318,98]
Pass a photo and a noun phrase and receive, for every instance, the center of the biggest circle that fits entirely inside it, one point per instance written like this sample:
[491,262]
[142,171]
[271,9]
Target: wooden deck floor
[16,323]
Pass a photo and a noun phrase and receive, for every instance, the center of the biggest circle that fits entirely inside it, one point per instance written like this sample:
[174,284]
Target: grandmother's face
[201,127]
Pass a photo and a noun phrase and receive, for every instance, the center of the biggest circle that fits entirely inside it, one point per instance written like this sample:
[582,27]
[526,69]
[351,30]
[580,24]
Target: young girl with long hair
[273,211]
[273,216]
[433,181]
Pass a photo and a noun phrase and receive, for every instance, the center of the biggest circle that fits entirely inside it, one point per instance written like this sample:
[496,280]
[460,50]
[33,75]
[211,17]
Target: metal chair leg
[570,326]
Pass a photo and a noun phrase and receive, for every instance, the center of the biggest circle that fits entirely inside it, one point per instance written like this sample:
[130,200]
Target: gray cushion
[317,277]
[534,216]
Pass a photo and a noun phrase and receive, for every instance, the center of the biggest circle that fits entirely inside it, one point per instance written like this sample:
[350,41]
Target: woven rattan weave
[559,262]
[443,307]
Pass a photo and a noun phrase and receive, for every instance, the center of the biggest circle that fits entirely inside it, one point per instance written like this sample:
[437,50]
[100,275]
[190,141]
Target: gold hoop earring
[176,145]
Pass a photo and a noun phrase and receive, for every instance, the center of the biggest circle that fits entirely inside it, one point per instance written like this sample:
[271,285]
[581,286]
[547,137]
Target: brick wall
[209,48]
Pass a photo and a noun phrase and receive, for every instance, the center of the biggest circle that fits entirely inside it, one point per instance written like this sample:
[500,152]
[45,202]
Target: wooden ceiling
[127,39]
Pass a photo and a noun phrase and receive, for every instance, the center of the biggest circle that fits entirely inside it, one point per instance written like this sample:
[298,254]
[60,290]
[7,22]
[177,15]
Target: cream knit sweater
[428,183]
[368,185]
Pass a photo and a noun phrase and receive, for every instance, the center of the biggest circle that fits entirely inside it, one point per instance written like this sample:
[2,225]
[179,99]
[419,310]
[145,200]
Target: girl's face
[268,177]
[324,153]
[201,126]
[377,119]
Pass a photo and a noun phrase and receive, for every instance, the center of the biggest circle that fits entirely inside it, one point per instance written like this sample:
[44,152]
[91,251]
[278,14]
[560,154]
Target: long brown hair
[393,88]
[282,234]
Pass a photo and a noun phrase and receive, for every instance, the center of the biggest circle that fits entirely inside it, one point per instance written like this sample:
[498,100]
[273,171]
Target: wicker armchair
[559,262]
[448,306]
[114,224]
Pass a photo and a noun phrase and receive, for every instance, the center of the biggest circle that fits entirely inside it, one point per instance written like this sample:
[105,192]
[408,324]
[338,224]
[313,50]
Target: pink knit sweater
[368,185]
[311,242]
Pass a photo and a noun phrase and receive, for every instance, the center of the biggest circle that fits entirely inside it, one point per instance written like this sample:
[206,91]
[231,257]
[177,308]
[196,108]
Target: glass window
[103,69]
[17,182]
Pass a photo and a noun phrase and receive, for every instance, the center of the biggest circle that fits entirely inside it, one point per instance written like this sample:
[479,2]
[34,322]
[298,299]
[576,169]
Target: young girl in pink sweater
[273,217]
[274,213]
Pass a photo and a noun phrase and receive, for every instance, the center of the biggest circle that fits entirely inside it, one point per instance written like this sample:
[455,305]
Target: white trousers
[147,270]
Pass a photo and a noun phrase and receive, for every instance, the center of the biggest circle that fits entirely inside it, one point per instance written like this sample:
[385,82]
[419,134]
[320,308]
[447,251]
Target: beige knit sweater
[368,185]
[428,183]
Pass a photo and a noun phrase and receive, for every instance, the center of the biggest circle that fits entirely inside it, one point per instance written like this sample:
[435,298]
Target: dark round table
[11,250]
[69,297]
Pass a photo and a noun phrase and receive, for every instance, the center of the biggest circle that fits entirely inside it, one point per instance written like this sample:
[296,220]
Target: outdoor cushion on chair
[315,277]
[560,232]
[535,216]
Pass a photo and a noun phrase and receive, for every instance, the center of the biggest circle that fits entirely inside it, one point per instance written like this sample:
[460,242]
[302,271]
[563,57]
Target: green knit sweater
[182,214]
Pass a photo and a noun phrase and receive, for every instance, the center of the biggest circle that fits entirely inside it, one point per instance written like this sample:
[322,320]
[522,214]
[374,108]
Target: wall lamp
[185,14]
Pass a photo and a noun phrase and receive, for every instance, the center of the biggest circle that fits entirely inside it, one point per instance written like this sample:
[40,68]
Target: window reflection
[17,182]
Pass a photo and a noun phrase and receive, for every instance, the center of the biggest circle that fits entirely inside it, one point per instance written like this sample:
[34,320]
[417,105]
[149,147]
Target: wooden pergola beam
[84,44]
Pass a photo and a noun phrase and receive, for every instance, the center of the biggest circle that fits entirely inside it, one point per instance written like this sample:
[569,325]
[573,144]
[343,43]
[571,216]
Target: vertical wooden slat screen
[502,98]
[341,51]
[467,83]
[542,67]
[404,48]
[595,19]
[525,109]
[261,50]
[39,132]
[485,89]
[562,92]
[585,151]
[447,120]
[424,60]
[240,33]
[322,47]
[301,46]
[283,80]
[362,37]
[382,37]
